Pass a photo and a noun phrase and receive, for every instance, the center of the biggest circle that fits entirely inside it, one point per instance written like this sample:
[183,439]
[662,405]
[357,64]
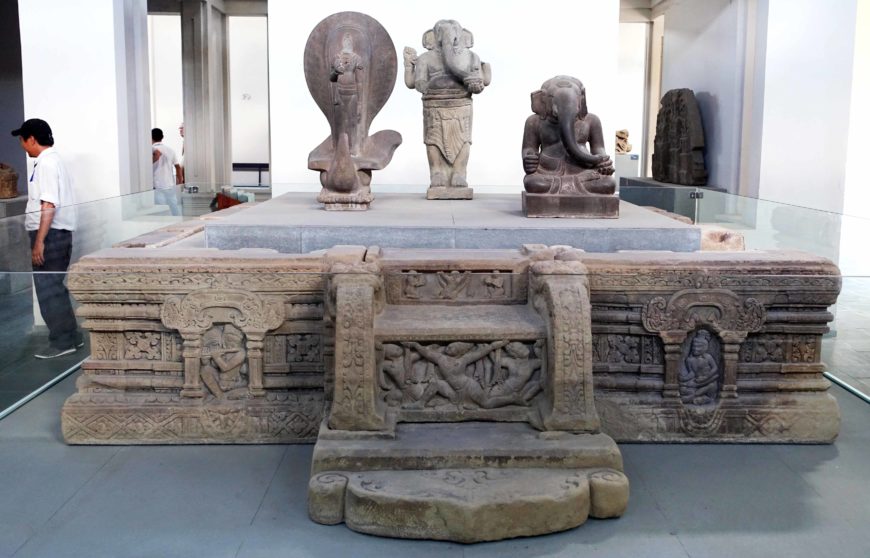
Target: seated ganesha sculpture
[556,158]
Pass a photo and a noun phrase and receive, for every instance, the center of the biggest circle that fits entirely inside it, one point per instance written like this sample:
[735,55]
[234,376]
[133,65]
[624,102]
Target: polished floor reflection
[250,501]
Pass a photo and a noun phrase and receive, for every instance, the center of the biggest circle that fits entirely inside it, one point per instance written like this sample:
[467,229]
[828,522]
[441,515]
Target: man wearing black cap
[50,220]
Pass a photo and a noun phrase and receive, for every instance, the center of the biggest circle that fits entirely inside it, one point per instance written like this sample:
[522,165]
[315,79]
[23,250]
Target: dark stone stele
[350,69]
[678,155]
[564,177]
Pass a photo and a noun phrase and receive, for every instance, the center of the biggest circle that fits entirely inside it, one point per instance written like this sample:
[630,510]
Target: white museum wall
[807,97]
[522,52]
[856,206]
[702,52]
[249,89]
[167,93]
[857,200]
[75,60]
[630,85]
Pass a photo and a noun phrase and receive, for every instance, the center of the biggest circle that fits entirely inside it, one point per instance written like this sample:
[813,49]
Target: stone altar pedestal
[456,394]
[291,224]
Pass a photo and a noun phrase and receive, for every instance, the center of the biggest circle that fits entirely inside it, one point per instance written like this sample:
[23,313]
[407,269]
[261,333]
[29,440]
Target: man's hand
[37,255]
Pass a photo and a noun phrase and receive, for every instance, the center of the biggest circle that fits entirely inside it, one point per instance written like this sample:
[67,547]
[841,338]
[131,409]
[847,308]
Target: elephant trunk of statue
[457,57]
[566,104]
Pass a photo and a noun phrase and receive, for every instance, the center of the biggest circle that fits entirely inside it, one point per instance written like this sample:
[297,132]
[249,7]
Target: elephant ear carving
[540,103]
[429,39]
[467,38]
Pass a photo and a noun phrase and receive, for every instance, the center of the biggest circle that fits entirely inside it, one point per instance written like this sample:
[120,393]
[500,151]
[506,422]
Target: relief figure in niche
[494,284]
[699,373]
[346,74]
[413,282]
[392,372]
[223,365]
[520,367]
[454,384]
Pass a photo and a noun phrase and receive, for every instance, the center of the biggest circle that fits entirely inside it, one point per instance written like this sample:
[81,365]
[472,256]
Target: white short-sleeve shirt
[164,167]
[50,182]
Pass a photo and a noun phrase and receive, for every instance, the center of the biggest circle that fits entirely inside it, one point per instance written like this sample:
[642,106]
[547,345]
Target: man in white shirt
[167,172]
[50,220]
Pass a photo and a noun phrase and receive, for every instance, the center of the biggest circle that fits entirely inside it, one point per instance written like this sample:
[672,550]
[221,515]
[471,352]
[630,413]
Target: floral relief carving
[688,309]
[142,345]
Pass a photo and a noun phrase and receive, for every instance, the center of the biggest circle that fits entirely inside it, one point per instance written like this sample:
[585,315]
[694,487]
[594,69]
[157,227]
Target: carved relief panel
[460,376]
[223,333]
[619,349]
[780,348]
[492,287]
[701,371]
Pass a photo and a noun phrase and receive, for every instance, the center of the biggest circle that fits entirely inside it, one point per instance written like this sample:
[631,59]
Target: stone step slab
[465,504]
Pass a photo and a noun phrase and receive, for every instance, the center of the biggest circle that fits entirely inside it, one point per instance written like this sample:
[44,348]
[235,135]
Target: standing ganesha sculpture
[447,74]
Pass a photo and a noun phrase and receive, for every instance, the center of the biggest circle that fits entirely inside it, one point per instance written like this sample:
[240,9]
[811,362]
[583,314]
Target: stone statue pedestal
[355,201]
[449,193]
[575,207]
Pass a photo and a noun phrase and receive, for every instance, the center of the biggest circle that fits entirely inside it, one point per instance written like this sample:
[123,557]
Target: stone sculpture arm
[481,352]
[430,354]
[713,371]
[421,74]
[410,57]
[473,80]
[531,144]
[236,360]
[596,145]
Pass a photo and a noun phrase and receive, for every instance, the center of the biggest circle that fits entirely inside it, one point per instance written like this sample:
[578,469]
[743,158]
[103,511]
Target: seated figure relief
[699,375]
[223,364]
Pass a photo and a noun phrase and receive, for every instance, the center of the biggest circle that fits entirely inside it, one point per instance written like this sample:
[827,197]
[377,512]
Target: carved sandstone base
[114,419]
[804,418]
[591,206]
[356,201]
[466,482]
[449,193]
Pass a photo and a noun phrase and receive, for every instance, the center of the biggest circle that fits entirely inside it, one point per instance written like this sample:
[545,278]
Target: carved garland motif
[686,310]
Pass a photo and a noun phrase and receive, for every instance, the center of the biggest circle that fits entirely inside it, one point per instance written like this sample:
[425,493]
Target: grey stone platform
[296,223]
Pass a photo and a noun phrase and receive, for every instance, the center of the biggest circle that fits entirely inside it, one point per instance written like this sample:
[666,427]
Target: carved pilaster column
[191,350]
[673,343]
[731,341]
[254,348]
[561,296]
[355,404]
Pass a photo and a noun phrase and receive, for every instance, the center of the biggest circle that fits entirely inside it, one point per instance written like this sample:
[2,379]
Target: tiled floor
[250,501]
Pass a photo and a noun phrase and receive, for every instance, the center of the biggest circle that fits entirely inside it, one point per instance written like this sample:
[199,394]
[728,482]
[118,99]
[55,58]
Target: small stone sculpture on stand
[8,182]
[564,178]
[622,145]
[678,157]
[447,74]
[350,68]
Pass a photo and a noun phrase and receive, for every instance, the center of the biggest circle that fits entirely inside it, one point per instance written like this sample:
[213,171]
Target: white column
[207,151]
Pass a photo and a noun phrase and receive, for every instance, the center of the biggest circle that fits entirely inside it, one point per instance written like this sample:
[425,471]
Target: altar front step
[466,482]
